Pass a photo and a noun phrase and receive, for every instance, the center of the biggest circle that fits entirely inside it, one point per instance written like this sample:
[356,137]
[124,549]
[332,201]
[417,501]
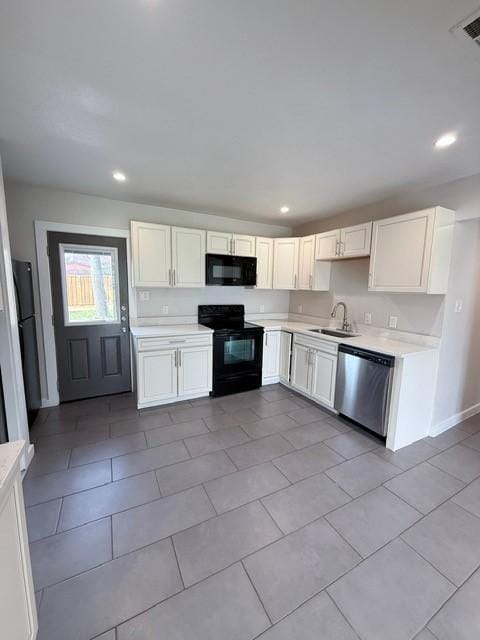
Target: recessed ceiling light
[446,140]
[119,176]
[284,209]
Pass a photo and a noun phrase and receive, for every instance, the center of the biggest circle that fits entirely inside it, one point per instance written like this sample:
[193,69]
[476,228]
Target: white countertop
[396,348]
[10,452]
[165,330]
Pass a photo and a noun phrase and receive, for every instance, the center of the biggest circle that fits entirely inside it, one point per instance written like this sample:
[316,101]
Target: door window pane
[237,350]
[90,284]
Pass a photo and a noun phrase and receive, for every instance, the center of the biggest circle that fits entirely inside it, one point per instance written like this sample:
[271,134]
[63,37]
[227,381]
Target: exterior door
[90,314]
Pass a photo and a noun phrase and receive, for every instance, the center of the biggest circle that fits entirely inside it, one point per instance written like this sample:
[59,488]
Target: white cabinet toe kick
[172,368]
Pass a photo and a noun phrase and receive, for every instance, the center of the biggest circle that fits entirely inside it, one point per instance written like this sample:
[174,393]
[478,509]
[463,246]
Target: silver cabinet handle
[169,277]
[306,356]
[174,277]
[341,249]
[310,279]
[234,247]
[336,247]
[266,339]
[179,358]
[295,281]
[176,358]
[175,341]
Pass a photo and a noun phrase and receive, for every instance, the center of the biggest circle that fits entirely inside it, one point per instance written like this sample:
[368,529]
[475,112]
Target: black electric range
[237,348]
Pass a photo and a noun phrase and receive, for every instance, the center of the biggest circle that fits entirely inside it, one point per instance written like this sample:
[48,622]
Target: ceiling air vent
[468,30]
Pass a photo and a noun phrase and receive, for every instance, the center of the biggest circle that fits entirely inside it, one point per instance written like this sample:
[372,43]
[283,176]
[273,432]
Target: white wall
[26,203]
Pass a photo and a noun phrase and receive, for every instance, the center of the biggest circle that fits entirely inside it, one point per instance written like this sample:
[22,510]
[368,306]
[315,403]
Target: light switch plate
[392,322]
[458,306]
[368,318]
[164,310]
[144,295]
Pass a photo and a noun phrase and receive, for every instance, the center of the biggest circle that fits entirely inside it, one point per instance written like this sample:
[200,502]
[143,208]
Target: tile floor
[256,515]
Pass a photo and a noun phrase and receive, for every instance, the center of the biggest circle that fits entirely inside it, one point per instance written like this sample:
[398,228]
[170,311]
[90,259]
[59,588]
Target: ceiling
[237,107]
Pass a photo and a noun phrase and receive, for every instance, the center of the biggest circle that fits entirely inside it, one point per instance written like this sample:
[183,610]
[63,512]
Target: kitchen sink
[337,333]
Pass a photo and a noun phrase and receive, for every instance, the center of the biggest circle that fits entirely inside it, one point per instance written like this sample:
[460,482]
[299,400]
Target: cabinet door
[188,257]
[327,245]
[271,354]
[305,262]
[401,250]
[219,242]
[323,377]
[243,245]
[194,370]
[285,263]
[355,241]
[300,373]
[285,353]
[151,254]
[157,375]
[264,253]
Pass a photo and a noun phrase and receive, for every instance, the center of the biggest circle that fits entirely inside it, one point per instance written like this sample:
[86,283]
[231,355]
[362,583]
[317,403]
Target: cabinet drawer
[149,344]
[316,343]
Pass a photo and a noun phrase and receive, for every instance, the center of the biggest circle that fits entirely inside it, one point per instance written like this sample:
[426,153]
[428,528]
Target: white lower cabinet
[271,357]
[285,355]
[314,368]
[170,368]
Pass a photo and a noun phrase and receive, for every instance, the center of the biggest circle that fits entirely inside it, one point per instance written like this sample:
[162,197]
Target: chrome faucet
[345,323]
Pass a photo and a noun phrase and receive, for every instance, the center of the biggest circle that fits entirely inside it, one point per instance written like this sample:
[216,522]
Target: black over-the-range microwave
[230,271]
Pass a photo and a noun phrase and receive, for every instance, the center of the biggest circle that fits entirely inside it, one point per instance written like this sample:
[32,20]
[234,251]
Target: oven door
[230,271]
[237,353]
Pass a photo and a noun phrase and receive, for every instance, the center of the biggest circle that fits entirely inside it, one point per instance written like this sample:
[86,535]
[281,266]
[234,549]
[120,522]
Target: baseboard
[454,420]
[46,402]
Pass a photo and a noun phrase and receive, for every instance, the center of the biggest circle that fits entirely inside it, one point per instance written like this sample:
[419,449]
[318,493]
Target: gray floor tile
[109,635]
[341,424]
[304,502]
[216,440]
[318,619]
[269,426]
[408,457]
[459,461]
[148,459]
[425,635]
[48,462]
[448,538]
[425,487]
[142,423]
[218,543]
[259,451]
[118,414]
[304,436]
[223,607]
[225,420]
[195,413]
[298,566]
[392,594]
[362,474]
[148,523]
[108,449]
[459,619]
[447,439]
[308,415]
[469,498]
[190,473]
[245,486]
[473,441]
[352,444]
[42,519]
[101,598]
[164,435]
[66,554]
[470,425]
[372,520]
[276,392]
[276,407]
[93,504]
[307,462]
[62,483]
[54,427]
[70,440]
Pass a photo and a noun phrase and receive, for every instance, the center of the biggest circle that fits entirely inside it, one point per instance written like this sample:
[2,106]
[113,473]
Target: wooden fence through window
[80,291]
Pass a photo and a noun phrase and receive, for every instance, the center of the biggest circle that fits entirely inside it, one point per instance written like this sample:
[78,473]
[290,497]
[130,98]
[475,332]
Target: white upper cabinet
[243,245]
[350,242]
[355,241]
[285,263]
[230,244]
[188,257]
[219,242]
[151,254]
[411,253]
[264,253]
[326,247]
[306,262]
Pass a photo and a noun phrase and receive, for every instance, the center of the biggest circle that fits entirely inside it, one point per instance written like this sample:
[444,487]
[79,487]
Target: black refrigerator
[22,275]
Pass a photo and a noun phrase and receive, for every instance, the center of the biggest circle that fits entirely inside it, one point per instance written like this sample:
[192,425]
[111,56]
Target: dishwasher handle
[372,356]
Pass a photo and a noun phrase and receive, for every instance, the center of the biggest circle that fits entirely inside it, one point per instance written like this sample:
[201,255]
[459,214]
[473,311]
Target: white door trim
[43,265]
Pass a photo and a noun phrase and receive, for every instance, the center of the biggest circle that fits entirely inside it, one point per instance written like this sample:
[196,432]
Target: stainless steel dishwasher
[362,393]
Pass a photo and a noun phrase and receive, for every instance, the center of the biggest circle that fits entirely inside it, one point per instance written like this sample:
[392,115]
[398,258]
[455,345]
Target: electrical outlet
[164,310]
[144,296]
[392,322]
[262,308]
[458,306]
[299,308]
[368,318]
